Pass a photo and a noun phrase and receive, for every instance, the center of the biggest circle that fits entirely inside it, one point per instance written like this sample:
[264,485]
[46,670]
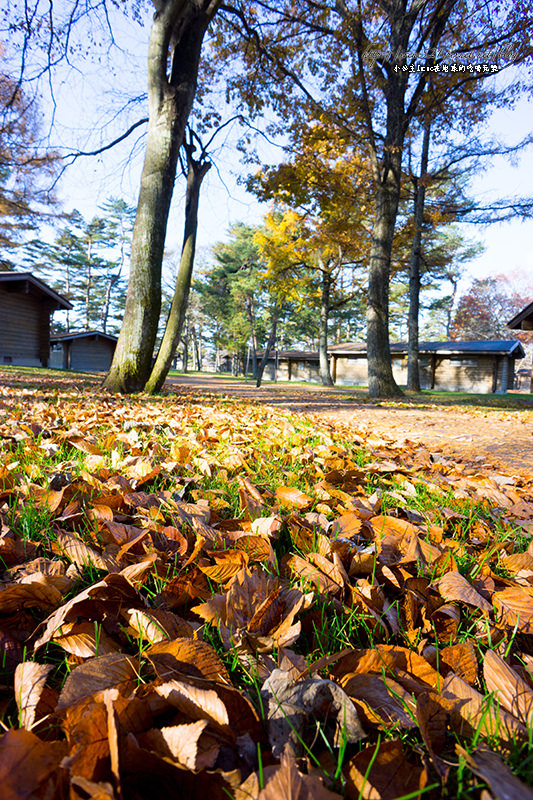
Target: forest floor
[263,594]
[494,427]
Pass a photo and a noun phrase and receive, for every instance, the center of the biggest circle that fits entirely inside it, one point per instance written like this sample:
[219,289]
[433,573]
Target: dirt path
[502,436]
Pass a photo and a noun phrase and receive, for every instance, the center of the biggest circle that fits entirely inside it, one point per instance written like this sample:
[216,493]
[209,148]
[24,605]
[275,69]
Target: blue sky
[90,181]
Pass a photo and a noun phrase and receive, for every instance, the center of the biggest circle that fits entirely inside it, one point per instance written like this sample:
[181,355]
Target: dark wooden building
[523,321]
[26,305]
[86,351]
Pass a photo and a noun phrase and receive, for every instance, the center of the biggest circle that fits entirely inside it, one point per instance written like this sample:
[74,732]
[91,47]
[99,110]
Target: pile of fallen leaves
[204,596]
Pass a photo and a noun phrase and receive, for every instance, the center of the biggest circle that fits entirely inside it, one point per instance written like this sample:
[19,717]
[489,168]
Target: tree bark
[381,381]
[176,38]
[413,372]
[196,171]
[325,298]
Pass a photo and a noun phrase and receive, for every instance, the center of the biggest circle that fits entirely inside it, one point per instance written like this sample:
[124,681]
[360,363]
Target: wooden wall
[24,329]
[89,355]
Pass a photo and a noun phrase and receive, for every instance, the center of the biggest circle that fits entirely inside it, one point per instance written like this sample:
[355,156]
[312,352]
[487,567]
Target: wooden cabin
[26,305]
[86,351]
[523,321]
[480,367]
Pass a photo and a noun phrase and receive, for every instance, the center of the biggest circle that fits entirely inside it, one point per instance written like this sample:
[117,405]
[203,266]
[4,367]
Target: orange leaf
[290,497]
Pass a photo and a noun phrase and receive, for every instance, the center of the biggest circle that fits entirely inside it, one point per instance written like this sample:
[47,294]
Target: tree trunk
[381,381]
[251,318]
[176,39]
[269,345]
[88,278]
[105,314]
[413,373]
[196,171]
[323,363]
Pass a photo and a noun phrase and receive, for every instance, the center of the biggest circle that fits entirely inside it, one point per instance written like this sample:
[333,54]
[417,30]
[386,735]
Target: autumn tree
[25,170]
[315,240]
[365,69]
[484,310]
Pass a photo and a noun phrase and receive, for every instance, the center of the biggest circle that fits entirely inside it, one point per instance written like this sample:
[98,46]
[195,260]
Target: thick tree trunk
[381,381]
[268,349]
[177,34]
[195,174]
[413,373]
[323,363]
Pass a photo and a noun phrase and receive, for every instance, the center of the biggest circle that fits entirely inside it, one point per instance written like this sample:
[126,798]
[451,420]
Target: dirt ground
[503,437]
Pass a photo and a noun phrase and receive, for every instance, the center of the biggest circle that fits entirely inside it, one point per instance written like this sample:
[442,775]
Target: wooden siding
[292,370]
[24,329]
[90,355]
[468,373]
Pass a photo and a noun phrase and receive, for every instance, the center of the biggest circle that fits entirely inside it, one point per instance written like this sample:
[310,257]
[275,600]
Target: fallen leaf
[291,707]
[382,772]
[30,679]
[492,769]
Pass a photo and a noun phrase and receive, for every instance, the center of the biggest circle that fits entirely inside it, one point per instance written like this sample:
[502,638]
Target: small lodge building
[481,367]
[26,305]
[523,321]
[86,351]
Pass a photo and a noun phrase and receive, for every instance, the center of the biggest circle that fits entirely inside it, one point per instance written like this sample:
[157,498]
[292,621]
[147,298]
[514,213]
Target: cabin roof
[31,284]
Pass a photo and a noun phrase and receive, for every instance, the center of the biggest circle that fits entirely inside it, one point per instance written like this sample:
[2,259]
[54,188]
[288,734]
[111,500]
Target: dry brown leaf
[432,719]
[513,693]
[492,769]
[37,592]
[189,656]
[514,606]
[114,590]
[399,663]
[471,712]
[180,742]
[92,790]
[156,625]
[30,679]
[292,708]
[250,497]
[196,701]
[85,640]
[346,526]
[290,497]
[454,587]
[95,675]
[29,766]
[228,564]
[267,526]
[382,772]
[82,555]
[288,784]
[461,659]
[516,562]
[384,702]
[319,572]
[255,613]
